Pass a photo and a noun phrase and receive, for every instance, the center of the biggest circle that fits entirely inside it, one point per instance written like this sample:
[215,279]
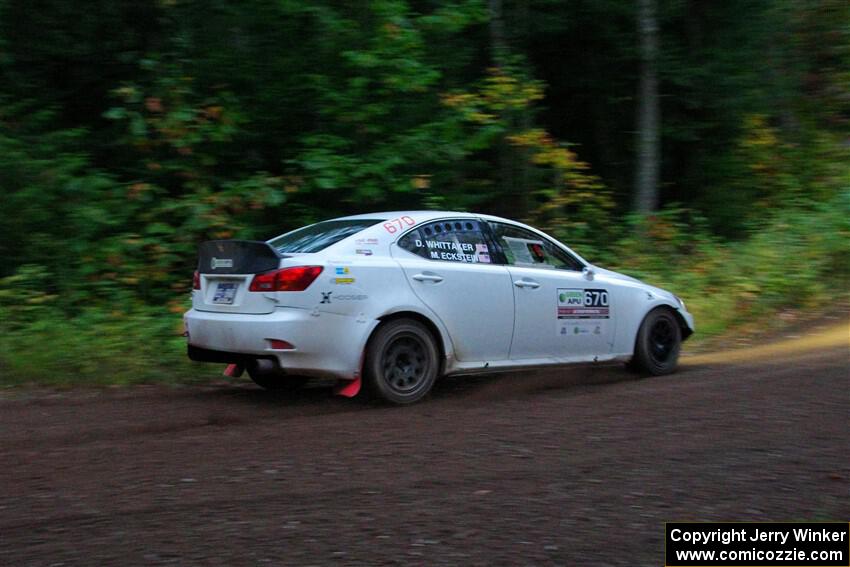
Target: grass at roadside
[97,347]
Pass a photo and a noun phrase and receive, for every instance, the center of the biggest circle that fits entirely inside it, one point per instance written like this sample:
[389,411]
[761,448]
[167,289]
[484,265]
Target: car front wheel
[658,343]
[402,362]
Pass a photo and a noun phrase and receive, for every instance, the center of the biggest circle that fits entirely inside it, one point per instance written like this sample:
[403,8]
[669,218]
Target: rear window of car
[317,237]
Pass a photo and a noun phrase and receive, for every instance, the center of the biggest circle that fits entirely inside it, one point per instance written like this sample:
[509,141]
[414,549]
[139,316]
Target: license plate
[224,293]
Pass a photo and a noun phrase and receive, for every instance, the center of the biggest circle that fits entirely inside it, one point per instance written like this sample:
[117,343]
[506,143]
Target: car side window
[459,240]
[524,248]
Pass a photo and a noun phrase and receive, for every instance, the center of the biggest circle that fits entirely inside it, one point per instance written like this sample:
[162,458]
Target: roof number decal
[390,225]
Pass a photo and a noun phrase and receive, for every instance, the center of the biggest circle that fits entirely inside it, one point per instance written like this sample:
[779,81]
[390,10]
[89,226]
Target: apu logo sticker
[583,304]
[221,263]
[570,297]
[342,271]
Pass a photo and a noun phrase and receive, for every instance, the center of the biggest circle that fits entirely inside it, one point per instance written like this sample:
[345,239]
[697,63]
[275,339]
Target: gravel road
[573,467]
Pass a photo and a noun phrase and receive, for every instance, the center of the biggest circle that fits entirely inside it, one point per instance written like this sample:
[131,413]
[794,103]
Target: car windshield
[317,237]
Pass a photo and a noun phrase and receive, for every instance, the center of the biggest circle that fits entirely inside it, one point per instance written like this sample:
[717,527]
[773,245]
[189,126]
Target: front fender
[639,302]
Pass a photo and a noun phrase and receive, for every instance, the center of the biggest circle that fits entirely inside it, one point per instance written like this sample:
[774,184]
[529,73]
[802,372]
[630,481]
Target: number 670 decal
[595,298]
[394,225]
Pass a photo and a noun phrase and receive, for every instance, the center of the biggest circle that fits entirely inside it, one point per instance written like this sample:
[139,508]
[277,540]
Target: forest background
[699,145]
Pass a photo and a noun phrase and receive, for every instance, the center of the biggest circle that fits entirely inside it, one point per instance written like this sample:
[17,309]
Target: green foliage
[95,347]
[799,258]
[132,132]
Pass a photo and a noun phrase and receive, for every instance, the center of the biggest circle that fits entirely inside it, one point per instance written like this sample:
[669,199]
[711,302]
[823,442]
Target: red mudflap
[348,388]
[234,370]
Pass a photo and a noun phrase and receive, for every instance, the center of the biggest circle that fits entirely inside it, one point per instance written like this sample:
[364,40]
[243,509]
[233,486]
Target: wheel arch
[443,346]
[664,304]
[683,325]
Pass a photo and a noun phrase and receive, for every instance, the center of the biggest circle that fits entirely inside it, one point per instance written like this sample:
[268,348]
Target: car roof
[421,216]
[426,216]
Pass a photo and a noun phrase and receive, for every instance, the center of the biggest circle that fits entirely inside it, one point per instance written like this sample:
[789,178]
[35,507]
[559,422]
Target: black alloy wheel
[658,343]
[405,364]
[402,361]
[662,340]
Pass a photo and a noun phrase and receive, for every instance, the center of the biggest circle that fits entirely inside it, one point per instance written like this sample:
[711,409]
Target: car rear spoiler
[237,257]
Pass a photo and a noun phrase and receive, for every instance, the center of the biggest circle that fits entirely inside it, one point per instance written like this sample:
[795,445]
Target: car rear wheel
[268,377]
[658,343]
[402,362]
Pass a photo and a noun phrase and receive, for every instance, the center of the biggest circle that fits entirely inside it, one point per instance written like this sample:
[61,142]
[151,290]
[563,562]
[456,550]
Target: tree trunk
[649,112]
[498,46]
[504,155]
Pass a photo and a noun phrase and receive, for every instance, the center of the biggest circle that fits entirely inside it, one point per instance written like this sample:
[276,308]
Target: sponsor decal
[363,252]
[326,297]
[216,263]
[482,253]
[570,297]
[567,328]
[342,271]
[366,242]
[577,327]
[583,304]
[578,311]
[340,281]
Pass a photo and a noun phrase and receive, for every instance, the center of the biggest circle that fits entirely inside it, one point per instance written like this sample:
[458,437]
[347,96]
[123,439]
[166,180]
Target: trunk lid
[226,269]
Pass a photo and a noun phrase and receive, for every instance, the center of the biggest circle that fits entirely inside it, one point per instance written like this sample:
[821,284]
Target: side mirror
[588,273]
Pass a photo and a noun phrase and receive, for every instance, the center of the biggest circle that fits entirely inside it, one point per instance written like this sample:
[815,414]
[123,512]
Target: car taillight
[196,280]
[297,278]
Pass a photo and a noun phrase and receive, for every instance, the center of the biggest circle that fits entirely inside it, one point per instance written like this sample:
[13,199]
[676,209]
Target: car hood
[615,275]
[623,277]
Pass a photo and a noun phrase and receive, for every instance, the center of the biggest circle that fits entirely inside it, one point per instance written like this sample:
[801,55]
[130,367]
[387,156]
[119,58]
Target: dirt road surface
[574,467]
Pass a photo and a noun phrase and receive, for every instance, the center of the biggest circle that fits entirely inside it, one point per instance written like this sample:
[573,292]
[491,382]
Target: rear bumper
[200,354]
[325,344]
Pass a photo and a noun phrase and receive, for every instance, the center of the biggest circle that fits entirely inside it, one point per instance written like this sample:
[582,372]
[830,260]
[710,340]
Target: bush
[120,344]
[798,258]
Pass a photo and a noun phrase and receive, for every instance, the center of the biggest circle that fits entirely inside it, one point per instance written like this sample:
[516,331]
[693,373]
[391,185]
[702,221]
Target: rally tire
[658,343]
[402,362]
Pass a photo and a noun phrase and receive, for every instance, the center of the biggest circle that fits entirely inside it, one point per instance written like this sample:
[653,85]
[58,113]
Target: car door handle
[527,283]
[428,278]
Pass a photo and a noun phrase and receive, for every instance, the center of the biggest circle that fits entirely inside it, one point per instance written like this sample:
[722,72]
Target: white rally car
[399,299]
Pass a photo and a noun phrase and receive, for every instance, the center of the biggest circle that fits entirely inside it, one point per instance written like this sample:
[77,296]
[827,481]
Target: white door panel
[474,301]
[560,314]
